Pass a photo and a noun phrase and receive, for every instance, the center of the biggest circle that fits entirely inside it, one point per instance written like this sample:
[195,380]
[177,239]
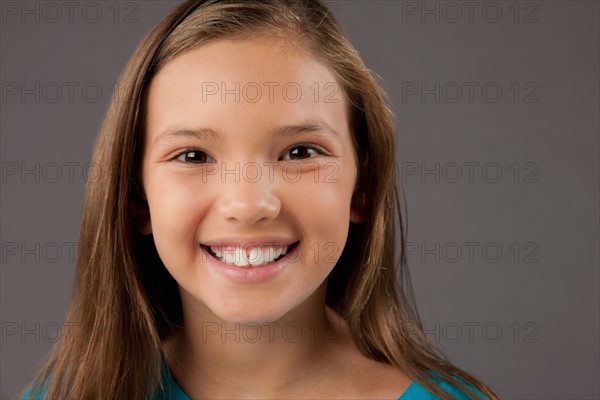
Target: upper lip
[275,241]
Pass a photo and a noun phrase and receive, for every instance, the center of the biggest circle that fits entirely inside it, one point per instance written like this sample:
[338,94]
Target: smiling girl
[242,242]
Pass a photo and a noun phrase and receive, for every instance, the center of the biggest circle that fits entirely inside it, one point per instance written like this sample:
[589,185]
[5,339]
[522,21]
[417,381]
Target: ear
[141,216]
[357,207]
[140,208]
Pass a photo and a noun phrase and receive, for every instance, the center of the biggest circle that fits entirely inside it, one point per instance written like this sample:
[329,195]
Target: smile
[248,255]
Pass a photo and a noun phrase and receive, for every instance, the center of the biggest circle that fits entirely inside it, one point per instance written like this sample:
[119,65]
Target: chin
[249,315]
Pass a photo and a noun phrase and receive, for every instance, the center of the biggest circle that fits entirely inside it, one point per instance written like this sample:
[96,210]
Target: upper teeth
[238,256]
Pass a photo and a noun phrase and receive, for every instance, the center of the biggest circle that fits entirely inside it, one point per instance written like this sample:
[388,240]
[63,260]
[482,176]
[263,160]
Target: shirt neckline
[175,392]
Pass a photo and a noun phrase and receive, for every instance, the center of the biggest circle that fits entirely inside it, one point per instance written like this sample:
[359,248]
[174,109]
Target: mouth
[250,256]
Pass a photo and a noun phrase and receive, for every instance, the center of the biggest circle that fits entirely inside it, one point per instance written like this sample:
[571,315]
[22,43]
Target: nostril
[249,207]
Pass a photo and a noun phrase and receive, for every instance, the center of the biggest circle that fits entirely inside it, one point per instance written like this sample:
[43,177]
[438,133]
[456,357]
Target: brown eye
[194,157]
[300,153]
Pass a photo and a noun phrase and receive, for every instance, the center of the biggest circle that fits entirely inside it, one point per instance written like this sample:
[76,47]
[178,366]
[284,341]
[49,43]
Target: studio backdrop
[497,114]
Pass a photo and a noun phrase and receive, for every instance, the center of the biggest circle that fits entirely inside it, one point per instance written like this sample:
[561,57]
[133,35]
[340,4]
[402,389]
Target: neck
[214,358]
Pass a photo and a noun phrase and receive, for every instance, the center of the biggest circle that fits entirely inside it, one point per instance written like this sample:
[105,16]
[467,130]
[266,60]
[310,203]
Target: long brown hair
[125,303]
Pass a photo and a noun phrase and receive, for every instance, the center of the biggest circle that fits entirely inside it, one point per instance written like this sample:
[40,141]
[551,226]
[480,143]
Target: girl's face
[249,173]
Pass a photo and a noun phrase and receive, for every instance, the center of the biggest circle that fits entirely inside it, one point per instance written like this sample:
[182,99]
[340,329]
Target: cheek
[176,208]
[322,210]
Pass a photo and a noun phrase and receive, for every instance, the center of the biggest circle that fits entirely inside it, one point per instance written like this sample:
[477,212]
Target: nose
[248,201]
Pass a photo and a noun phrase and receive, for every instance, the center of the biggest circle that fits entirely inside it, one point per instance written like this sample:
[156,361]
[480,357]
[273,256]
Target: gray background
[520,311]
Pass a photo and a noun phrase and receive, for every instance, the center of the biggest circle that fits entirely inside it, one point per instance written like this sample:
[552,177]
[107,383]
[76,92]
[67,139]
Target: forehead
[256,55]
[243,78]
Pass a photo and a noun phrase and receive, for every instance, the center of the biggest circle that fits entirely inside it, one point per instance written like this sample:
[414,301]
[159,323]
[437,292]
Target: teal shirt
[413,392]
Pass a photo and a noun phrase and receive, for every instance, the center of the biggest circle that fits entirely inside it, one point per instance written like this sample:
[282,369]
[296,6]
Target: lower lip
[251,274]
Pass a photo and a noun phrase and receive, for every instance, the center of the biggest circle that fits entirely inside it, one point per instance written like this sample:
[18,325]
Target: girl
[242,241]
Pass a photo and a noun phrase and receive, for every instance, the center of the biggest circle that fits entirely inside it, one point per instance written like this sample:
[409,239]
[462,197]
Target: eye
[300,153]
[194,156]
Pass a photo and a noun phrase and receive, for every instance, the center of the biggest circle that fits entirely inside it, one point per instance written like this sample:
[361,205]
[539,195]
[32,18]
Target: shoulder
[417,392]
[170,389]
[29,395]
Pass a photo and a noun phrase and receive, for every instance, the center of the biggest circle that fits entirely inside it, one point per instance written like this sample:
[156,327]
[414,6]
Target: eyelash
[316,149]
[188,150]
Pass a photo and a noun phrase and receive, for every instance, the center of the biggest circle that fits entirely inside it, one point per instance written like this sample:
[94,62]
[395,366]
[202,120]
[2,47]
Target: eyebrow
[199,133]
[319,127]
